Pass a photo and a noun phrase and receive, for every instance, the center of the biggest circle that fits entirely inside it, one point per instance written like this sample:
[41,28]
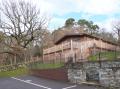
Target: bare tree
[23,22]
[116,29]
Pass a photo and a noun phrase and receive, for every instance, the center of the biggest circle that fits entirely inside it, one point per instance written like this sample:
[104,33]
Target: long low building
[78,46]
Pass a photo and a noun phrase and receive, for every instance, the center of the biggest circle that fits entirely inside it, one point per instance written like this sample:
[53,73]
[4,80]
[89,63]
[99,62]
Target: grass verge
[12,73]
[46,65]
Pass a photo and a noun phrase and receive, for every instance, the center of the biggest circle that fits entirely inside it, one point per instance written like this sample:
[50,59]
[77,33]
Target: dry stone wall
[106,73]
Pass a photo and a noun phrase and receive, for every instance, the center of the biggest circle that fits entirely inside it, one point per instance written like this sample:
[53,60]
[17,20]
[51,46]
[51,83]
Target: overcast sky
[101,12]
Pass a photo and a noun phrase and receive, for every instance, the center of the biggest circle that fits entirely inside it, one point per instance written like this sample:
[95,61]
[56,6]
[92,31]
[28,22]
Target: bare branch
[23,22]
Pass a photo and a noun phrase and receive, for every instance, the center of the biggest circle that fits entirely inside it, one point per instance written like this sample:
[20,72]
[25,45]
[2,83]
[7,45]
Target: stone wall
[110,77]
[105,73]
[76,75]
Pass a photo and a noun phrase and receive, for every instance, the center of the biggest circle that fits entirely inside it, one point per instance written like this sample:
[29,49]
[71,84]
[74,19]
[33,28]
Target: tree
[90,27]
[83,22]
[23,22]
[69,22]
[116,29]
[107,35]
[47,40]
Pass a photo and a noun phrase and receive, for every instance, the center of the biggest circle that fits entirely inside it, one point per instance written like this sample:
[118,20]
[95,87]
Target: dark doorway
[92,75]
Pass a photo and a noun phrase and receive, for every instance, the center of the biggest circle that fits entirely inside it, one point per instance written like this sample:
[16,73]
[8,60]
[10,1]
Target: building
[77,45]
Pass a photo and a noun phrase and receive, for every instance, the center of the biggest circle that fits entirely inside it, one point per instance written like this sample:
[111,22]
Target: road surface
[31,82]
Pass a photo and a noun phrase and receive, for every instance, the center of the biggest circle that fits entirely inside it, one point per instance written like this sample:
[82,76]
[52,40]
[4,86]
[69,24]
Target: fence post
[100,59]
[72,51]
[115,54]
[15,59]
[11,61]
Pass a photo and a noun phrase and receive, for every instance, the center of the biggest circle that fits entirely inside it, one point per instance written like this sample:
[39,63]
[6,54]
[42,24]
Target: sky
[101,12]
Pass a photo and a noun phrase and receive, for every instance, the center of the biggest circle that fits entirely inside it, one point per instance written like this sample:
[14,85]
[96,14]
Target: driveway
[31,82]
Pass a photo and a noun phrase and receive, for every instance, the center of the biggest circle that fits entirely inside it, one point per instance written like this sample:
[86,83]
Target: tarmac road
[31,82]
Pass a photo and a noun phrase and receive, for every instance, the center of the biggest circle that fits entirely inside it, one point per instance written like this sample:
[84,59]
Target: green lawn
[104,55]
[46,65]
[17,72]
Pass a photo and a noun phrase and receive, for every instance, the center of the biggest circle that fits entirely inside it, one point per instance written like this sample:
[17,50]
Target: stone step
[91,83]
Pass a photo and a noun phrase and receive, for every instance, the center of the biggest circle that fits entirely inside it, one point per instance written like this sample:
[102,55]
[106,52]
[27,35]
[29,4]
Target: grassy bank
[17,72]
[46,65]
[104,56]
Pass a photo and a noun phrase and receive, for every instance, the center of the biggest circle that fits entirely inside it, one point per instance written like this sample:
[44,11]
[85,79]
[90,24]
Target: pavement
[31,82]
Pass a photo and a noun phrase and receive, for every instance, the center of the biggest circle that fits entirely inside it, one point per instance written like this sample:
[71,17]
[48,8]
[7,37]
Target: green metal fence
[105,55]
